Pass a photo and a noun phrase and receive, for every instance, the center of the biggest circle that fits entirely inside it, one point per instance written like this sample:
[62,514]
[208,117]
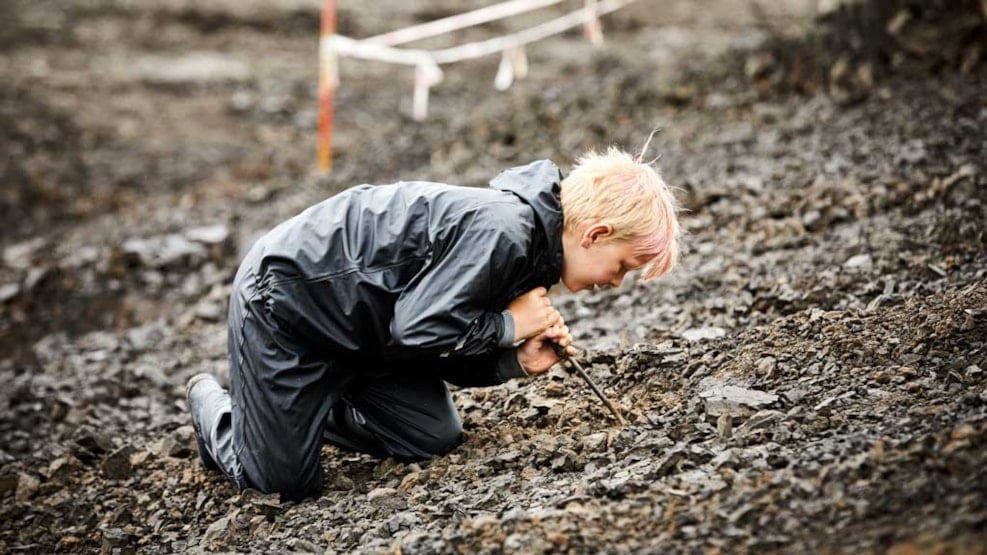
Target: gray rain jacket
[381,275]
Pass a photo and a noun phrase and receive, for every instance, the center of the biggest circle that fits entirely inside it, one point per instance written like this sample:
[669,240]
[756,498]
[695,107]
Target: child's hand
[533,314]
[538,354]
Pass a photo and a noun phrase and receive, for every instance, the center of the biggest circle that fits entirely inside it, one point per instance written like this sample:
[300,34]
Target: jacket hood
[539,185]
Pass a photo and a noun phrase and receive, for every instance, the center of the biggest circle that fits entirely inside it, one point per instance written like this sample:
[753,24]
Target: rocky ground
[811,379]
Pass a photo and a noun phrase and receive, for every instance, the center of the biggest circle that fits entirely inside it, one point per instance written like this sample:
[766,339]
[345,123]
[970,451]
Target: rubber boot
[201,391]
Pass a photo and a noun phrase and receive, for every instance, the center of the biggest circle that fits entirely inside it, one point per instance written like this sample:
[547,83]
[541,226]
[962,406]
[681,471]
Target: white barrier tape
[547,29]
[505,72]
[427,74]
[460,21]
[513,65]
[345,46]
[329,67]
[591,27]
[520,62]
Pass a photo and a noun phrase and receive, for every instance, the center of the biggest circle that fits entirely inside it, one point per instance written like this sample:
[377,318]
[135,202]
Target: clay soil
[833,179]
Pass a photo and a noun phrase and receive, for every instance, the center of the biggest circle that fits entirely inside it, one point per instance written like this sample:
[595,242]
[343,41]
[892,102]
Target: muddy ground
[815,369]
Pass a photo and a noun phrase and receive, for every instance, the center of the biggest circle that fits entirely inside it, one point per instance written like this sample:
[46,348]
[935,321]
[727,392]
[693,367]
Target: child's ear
[596,233]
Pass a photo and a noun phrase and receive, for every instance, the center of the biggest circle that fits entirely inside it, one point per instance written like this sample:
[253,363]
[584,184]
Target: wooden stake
[328,75]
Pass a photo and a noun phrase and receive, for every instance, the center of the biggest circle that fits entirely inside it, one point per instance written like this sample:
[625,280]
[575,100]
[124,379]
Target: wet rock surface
[812,379]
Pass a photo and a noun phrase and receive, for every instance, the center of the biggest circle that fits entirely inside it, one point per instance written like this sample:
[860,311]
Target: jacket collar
[539,185]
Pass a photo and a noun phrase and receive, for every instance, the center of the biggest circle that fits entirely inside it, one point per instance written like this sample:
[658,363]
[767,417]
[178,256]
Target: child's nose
[616,281]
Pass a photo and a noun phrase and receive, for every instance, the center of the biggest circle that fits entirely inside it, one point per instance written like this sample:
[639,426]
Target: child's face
[593,258]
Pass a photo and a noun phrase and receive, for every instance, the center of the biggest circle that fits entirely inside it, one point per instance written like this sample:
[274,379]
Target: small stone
[735,401]
[515,402]
[91,443]
[184,441]
[21,256]
[594,442]
[140,457]
[907,371]
[306,546]
[67,543]
[508,457]
[35,276]
[217,530]
[8,483]
[882,377]
[811,219]
[268,505]
[554,389]
[699,334]
[972,399]
[760,419]
[724,426]
[543,405]
[61,468]
[167,251]
[860,261]
[145,337]
[766,366]
[209,311]
[726,458]
[117,465]
[210,235]
[759,65]
[566,461]
[9,291]
[27,487]
[387,499]
[115,540]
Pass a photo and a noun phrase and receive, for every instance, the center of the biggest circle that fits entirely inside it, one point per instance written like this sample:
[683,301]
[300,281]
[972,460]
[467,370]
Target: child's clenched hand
[538,354]
[533,314]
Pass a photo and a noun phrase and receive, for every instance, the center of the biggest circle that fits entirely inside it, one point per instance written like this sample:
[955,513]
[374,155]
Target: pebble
[699,334]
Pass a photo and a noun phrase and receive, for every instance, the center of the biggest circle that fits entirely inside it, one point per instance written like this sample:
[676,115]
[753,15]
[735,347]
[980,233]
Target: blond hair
[616,189]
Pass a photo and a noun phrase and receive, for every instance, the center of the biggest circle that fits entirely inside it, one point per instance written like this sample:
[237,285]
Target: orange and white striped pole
[328,75]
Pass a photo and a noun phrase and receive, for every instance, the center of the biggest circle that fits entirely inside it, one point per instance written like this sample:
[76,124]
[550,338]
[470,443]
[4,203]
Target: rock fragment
[27,487]
[699,334]
[387,499]
[117,465]
[735,401]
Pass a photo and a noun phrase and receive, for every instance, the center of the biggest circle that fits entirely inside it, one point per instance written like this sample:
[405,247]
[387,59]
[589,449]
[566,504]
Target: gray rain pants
[284,403]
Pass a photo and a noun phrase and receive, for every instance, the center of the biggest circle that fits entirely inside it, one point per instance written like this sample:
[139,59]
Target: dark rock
[117,466]
[116,540]
[8,483]
[91,444]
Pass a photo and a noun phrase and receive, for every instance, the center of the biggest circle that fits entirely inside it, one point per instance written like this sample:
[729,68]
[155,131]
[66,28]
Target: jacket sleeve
[493,368]
[445,310]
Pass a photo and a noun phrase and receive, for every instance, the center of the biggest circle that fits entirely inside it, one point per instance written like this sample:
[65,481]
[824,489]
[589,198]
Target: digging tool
[574,364]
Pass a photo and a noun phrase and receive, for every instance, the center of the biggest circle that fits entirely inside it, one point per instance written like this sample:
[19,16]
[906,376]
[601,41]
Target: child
[346,320]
